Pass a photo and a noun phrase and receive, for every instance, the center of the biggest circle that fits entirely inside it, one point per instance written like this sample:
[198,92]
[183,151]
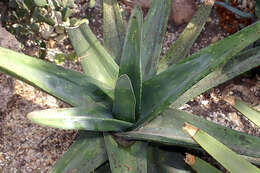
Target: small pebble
[214,39]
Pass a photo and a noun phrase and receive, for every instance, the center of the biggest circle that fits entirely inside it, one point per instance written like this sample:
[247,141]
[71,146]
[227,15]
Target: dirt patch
[26,147]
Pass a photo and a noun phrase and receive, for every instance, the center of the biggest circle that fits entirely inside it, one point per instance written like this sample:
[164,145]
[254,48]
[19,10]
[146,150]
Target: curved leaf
[94,118]
[69,86]
[233,163]
[124,103]
[160,91]
[84,155]
[95,60]
[126,159]
[181,47]
[113,28]
[131,60]
[243,62]
[167,129]
[153,35]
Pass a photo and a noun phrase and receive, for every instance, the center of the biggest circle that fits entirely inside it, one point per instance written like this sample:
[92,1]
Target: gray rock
[7,40]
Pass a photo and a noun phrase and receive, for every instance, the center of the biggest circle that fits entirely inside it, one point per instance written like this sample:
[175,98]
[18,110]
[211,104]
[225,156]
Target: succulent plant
[28,17]
[35,23]
[123,104]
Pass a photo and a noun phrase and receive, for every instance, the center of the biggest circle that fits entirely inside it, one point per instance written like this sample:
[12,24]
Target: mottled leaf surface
[113,28]
[124,103]
[84,155]
[126,159]
[131,60]
[165,161]
[243,62]
[153,35]
[69,86]
[95,60]
[181,47]
[94,118]
[167,129]
[160,91]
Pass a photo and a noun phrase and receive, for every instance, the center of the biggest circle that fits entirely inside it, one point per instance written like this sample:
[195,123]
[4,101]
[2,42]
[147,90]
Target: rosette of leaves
[121,104]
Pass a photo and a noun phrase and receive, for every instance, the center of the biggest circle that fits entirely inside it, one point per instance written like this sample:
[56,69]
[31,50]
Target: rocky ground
[26,147]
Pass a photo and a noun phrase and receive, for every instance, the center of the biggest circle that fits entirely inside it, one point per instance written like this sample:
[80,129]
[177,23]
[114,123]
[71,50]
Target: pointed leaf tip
[94,118]
[131,56]
[125,102]
[30,116]
[113,28]
[165,88]
[154,29]
[70,86]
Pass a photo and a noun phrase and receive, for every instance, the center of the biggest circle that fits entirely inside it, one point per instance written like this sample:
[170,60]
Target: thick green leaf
[95,60]
[154,30]
[200,165]
[84,155]
[131,60]
[243,62]
[69,86]
[182,46]
[233,163]
[113,28]
[164,161]
[167,129]
[124,103]
[247,111]
[126,159]
[93,117]
[160,91]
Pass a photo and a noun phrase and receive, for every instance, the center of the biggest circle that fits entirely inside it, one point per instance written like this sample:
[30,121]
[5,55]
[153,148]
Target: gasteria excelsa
[121,103]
